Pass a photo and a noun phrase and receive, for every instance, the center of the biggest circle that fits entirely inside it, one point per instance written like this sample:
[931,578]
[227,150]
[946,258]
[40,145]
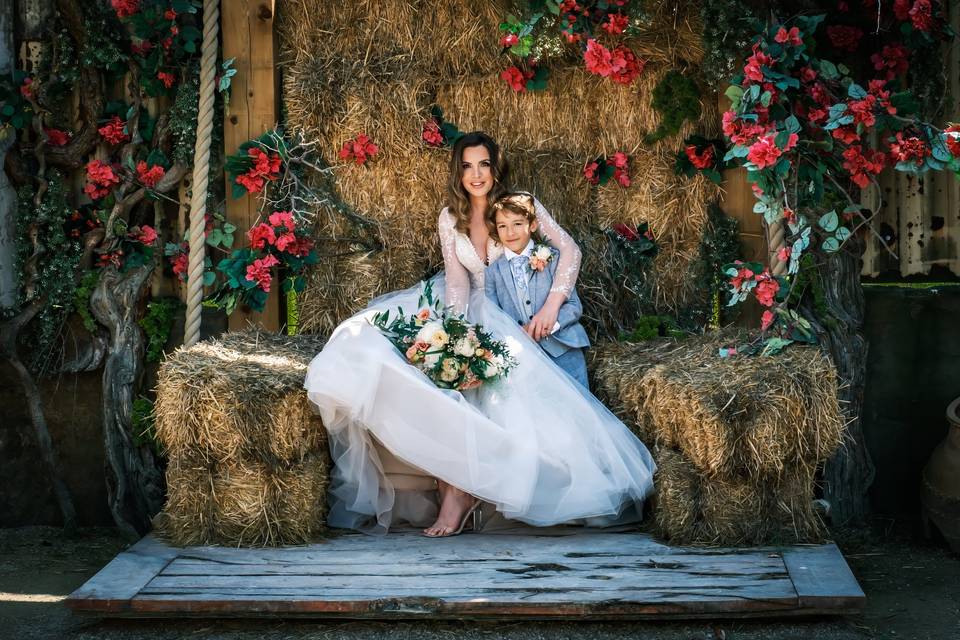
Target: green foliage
[728,32]
[81,299]
[677,99]
[655,326]
[105,39]
[157,323]
[183,116]
[44,248]
[720,245]
[14,109]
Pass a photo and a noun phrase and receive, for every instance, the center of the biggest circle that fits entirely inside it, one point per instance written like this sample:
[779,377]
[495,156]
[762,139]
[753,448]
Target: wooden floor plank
[604,575]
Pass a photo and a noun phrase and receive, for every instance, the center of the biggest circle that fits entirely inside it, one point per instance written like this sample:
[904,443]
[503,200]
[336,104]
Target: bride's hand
[541,325]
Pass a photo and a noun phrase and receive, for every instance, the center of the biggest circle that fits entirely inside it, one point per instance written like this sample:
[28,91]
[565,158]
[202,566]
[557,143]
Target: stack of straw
[248,459]
[738,441]
[378,66]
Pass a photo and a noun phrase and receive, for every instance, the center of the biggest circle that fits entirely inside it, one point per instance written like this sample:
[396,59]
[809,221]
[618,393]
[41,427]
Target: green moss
[677,98]
[81,299]
[157,323]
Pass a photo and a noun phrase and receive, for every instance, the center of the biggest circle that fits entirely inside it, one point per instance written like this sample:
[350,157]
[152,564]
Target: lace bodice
[465,269]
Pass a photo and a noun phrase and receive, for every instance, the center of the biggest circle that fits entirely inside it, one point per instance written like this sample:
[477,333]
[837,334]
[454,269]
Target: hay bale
[244,502]
[755,417]
[695,509]
[241,396]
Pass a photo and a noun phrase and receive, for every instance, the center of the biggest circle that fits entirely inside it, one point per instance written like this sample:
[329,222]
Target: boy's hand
[542,324]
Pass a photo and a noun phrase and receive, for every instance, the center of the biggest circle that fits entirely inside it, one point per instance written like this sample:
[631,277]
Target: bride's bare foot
[454,506]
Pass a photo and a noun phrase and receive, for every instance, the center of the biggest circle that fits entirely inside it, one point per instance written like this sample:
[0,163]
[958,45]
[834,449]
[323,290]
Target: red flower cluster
[113,132]
[516,78]
[265,168]
[259,271]
[953,139]
[591,172]
[125,8]
[621,167]
[144,234]
[279,233]
[701,160]
[844,37]
[743,131]
[509,40]
[862,166]
[789,37]
[620,65]
[149,176]
[26,89]
[767,288]
[921,15]
[101,179]
[431,133]
[56,137]
[753,69]
[764,152]
[141,48]
[893,59]
[180,262]
[360,149]
[910,148]
[166,78]
[616,23]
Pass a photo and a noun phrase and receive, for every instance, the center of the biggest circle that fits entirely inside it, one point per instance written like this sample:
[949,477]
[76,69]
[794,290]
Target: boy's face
[513,230]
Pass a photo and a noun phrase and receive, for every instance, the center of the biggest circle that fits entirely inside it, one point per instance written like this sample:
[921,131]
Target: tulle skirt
[535,444]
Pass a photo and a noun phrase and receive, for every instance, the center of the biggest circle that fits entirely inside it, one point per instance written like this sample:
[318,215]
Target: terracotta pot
[940,492]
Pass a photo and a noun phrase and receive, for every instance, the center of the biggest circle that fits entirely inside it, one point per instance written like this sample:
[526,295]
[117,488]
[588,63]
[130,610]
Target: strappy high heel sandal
[473,513]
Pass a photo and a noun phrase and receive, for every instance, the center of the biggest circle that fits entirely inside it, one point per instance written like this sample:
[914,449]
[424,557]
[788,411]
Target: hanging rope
[776,240]
[201,170]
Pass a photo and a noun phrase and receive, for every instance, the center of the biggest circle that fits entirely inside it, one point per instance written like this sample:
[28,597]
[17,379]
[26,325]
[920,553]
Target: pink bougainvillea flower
[789,37]
[846,134]
[616,23]
[259,271]
[861,166]
[360,149]
[181,262]
[921,15]
[807,74]
[166,78]
[909,148]
[591,172]
[844,37]
[170,14]
[431,133]
[767,288]
[113,132]
[26,89]
[283,219]
[285,240]
[598,59]
[149,176]
[700,160]
[893,59]
[56,137]
[629,69]
[743,275]
[766,320]
[619,160]
[509,40]
[953,139]
[764,152]
[261,236]
[252,183]
[144,234]
[784,254]
[753,69]
[125,8]
[101,178]
[516,78]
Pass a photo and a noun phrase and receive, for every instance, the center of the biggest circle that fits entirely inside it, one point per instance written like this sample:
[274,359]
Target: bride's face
[477,178]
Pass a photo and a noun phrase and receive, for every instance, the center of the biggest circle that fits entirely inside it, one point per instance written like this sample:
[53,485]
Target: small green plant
[157,323]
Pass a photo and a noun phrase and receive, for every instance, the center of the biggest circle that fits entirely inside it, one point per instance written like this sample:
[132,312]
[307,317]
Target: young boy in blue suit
[520,281]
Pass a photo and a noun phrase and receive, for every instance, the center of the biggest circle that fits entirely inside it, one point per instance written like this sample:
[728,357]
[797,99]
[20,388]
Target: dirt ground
[912,587]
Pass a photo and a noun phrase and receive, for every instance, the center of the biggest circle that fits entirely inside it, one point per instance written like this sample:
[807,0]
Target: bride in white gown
[536,445]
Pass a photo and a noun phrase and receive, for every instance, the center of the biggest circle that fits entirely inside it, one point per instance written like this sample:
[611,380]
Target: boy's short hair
[518,203]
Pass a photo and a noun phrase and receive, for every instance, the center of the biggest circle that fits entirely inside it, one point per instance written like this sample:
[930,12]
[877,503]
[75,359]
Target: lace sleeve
[457,278]
[568,265]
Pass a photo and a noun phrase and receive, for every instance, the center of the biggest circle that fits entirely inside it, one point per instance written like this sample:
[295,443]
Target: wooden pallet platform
[583,574]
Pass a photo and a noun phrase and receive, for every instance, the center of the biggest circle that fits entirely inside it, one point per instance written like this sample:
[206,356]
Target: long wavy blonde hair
[458,200]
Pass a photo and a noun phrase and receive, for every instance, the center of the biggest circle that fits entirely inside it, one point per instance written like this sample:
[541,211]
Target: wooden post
[248,36]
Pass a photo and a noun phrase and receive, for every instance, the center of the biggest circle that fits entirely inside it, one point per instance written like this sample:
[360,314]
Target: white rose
[492,370]
[543,253]
[431,332]
[464,347]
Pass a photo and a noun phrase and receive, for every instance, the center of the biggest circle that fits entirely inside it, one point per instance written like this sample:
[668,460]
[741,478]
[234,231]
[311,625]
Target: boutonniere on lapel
[540,256]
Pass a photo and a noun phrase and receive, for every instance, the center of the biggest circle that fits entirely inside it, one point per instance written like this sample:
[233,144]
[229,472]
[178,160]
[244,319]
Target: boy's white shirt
[510,254]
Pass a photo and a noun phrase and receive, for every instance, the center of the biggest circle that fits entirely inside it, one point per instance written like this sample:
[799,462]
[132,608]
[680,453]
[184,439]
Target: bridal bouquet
[454,353]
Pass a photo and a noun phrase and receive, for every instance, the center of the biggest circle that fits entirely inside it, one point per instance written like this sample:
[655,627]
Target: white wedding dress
[536,444]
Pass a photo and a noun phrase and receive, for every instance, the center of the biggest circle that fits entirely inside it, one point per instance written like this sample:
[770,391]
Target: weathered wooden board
[606,575]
